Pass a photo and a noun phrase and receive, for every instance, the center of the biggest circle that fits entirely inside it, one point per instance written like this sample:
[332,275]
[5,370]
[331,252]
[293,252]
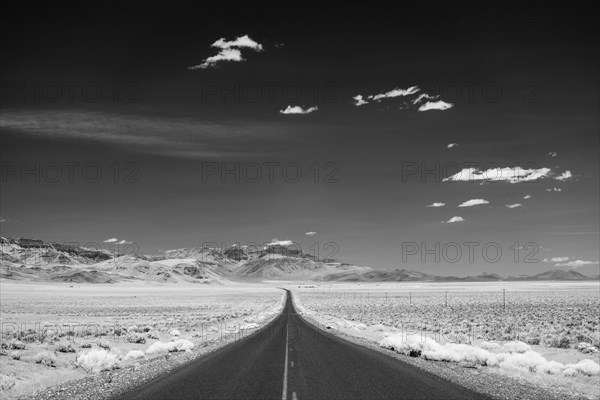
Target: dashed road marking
[285,368]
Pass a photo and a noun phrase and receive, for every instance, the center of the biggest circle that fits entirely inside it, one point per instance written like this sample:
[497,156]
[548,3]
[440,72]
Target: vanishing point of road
[292,359]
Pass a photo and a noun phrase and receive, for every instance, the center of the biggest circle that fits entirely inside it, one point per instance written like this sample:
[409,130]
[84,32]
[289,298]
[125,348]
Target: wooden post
[446,298]
[504,299]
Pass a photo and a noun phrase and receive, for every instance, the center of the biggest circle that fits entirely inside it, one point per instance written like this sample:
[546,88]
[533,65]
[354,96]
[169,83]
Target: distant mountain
[35,260]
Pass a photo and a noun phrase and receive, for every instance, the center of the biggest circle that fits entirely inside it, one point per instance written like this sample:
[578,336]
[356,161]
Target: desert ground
[546,333]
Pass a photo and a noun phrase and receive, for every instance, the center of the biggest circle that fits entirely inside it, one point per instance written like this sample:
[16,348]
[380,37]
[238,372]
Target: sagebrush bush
[134,354]
[170,347]
[98,360]
[134,337]
[64,347]
[558,341]
[175,332]
[46,358]
[86,345]
[16,344]
[104,344]
[15,355]
[153,335]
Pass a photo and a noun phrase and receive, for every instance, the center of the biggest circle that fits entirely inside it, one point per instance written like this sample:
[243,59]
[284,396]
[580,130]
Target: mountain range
[35,260]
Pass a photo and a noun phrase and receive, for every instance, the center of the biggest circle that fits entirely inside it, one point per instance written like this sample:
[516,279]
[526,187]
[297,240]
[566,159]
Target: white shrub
[46,358]
[249,325]
[134,354]
[585,367]
[489,345]
[570,372]
[515,347]
[551,368]
[175,332]
[170,347]
[527,361]
[98,360]
[378,327]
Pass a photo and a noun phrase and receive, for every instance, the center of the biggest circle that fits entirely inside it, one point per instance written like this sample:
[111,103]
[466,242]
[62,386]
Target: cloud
[552,154]
[556,259]
[507,174]
[277,242]
[298,110]
[554,189]
[230,51]
[435,105]
[425,96]
[564,176]
[514,205]
[359,100]
[396,92]
[576,263]
[451,145]
[527,196]
[310,233]
[124,242]
[437,205]
[240,42]
[454,219]
[3,220]
[473,202]
[111,240]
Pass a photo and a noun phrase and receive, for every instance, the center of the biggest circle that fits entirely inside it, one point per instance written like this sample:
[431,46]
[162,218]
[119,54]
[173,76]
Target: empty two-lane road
[291,359]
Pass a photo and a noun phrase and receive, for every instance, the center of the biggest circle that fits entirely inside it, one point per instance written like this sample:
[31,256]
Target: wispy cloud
[111,240]
[507,174]
[298,110]
[576,263]
[515,205]
[425,96]
[552,154]
[473,202]
[359,100]
[277,242]
[565,176]
[452,145]
[553,189]
[435,105]
[310,233]
[230,51]
[436,205]
[454,219]
[527,196]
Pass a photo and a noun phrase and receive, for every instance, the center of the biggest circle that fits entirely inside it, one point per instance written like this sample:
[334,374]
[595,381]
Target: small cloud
[124,242]
[454,219]
[3,220]
[473,202]
[514,205]
[298,110]
[552,154]
[576,263]
[396,92]
[359,100]
[310,233]
[507,174]
[277,242]
[452,145]
[556,259]
[435,105]
[230,51]
[111,240]
[436,205]
[554,189]
[564,176]
[527,196]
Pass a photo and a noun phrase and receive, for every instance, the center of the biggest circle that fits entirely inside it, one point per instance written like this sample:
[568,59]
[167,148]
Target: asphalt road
[291,359]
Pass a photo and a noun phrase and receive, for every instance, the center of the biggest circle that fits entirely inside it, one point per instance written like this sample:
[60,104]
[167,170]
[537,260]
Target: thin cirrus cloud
[515,205]
[298,110]
[111,240]
[361,100]
[436,204]
[230,51]
[473,202]
[506,174]
[552,154]
[310,233]
[576,263]
[553,189]
[452,145]
[527,196]
[188,136]
[454,219]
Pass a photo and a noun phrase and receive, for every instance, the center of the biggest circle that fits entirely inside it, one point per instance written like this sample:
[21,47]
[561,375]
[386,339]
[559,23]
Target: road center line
[285,368]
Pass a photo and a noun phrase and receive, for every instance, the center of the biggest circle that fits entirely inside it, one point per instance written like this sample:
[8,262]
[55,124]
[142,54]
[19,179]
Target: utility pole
[504,299]
[409,298]
[446,298]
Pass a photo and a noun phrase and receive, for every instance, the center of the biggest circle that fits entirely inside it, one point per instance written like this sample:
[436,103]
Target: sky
[450,139]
